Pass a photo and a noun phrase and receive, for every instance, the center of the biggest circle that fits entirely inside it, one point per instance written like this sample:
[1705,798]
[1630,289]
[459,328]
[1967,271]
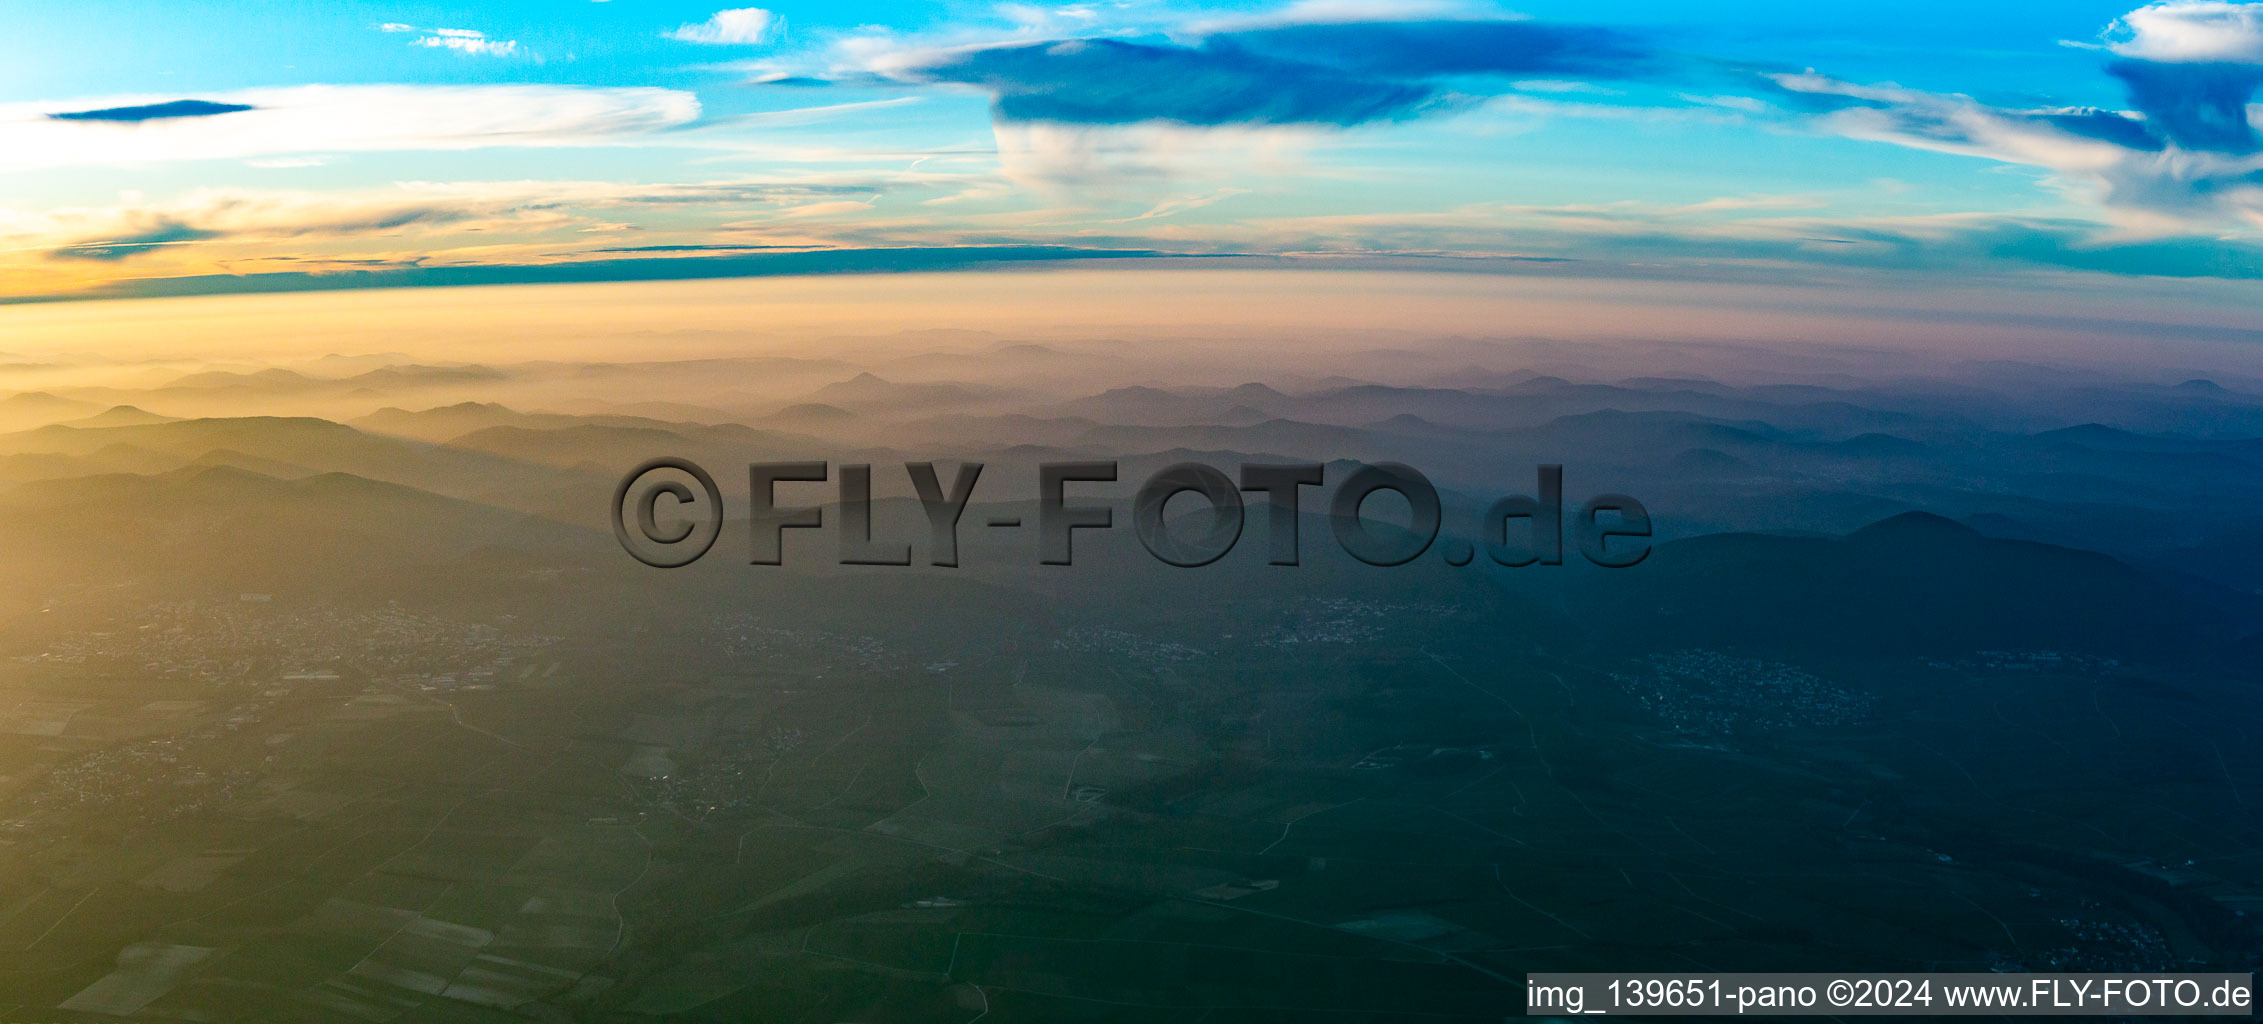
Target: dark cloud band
[1326,74]
[153,112]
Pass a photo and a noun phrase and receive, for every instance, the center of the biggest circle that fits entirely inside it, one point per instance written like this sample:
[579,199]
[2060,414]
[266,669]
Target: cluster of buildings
[1706,691]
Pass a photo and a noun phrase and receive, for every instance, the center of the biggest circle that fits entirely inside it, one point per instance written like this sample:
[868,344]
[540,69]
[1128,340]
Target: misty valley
[353,708]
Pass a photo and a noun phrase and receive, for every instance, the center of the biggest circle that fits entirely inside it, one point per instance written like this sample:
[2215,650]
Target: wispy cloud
[2148,170]
[1739,239]
[461,40]
[229,225]
[471,42]
[1139,162]
[161,233]
[1174,207]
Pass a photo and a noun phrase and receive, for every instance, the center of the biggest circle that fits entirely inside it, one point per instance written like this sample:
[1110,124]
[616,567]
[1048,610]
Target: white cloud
[211,227]
[1143,162]
[739,26]
[826,209]
[1347,12]
[340,118]
[462,40]
[2190,31]
[1036,19]
[467,41]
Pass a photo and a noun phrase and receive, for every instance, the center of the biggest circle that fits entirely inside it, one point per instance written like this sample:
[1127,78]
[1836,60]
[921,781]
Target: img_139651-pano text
[669,511]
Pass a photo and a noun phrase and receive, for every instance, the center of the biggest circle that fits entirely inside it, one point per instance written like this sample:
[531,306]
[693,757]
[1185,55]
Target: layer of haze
[1192,327]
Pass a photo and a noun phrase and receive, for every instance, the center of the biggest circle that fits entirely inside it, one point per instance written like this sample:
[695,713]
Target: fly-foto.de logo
[668,512]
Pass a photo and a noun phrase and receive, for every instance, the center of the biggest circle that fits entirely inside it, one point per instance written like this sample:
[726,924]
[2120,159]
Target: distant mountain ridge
[1914,583]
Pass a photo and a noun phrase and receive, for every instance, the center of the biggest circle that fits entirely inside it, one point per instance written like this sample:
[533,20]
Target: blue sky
[148,149]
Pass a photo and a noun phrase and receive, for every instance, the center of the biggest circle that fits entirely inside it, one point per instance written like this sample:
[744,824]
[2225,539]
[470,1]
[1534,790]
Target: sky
[196,147]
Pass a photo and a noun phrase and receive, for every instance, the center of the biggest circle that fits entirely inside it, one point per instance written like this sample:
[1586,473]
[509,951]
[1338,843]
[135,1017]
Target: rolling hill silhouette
[1912,584]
